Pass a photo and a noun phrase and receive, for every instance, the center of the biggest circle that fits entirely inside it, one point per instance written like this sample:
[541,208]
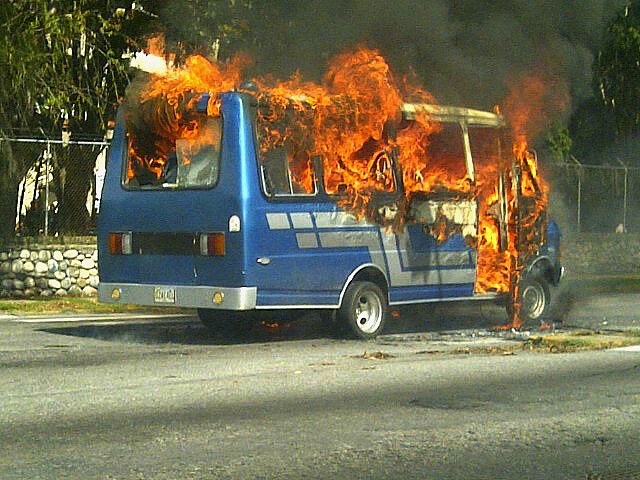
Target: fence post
[624,207]
[579,170]
[46,189]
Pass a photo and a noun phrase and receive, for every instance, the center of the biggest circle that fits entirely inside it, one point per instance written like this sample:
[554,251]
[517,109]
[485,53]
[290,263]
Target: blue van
[230,230]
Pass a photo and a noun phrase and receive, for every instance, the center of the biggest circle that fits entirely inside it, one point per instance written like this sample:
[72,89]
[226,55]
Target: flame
[352,121]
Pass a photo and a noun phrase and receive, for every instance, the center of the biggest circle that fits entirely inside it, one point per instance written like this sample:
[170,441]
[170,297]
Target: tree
[60,62]
[617,70]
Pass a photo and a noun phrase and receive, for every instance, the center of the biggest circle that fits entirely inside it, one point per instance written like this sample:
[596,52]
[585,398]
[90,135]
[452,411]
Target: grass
[70,305]
[582,340]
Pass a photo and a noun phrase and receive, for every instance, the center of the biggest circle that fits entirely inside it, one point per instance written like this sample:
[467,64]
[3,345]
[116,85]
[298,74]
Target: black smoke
[463,51]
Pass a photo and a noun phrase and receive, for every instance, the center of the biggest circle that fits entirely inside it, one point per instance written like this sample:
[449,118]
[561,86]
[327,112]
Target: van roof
[445,113]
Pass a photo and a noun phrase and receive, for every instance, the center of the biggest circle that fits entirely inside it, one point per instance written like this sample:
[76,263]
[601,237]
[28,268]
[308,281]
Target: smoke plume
[464,51]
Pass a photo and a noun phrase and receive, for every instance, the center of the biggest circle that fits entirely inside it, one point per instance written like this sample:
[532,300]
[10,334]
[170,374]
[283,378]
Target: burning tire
[226,322]
[535,298]
[363,311]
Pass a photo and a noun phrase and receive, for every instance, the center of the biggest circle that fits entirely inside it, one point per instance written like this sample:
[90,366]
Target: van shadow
[416,319]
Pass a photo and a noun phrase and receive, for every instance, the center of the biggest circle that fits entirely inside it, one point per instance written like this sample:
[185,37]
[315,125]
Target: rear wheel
[226,322]
[363,311]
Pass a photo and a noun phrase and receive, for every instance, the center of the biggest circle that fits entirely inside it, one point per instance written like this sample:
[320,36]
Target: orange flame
[352,121]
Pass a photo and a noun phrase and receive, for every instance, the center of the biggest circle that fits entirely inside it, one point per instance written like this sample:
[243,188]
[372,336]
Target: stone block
[59,275]
[46,293]
[42,282]
[84,274]
[75,290]
[94,256]
[33,256]
[65,283]
[29,282]
[7,284]
[76,263]
[52,265]
[61,292]
[70,254]
[93,271]
[44,255]
[81,282]
[41,267]
[88,264]
[18,284]
[25,254]
[4,256]
[89,291]
[73,272]
[58,256]
[17,266]
[53,284]
[28,267]
[94,281]
[5,267]
[63,265]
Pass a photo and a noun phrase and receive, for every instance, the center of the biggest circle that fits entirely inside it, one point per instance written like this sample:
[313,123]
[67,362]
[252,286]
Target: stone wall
[32,269]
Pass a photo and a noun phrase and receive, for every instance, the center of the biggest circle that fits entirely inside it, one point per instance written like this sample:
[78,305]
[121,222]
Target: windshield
[192,161]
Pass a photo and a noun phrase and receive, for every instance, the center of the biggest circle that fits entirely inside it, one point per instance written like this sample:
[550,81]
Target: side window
[287,173]
[446,156]
[485,146]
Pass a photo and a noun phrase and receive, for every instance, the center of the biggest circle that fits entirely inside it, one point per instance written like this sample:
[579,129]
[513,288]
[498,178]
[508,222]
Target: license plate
[164,295]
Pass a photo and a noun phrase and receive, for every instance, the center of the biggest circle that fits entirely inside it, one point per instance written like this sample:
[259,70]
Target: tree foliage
[60,62]
[617,70]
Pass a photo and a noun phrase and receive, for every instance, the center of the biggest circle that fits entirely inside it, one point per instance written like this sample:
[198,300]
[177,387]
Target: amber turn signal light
[120,243]
[212,244]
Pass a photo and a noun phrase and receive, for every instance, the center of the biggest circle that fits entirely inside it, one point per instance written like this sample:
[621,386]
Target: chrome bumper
[239,298]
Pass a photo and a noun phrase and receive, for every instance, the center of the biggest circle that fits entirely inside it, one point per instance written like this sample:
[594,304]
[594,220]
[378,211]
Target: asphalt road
[149,398]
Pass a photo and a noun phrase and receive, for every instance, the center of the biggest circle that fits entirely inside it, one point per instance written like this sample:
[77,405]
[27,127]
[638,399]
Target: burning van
[249,200]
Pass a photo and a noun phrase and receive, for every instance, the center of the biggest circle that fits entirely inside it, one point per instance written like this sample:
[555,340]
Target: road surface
[160,398]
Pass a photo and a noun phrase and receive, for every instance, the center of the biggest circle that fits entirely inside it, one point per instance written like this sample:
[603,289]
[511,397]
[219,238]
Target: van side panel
[309,251]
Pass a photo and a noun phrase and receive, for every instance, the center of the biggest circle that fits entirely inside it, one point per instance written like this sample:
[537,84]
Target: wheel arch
[543,267]
[370,273]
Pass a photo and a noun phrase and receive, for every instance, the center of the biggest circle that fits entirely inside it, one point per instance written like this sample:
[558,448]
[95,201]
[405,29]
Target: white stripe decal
[278,221]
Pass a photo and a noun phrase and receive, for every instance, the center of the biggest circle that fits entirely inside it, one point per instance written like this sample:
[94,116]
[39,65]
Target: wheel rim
[368,312]
[533,301]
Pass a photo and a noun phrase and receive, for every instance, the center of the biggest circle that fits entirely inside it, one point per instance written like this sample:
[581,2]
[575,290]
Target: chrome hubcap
[368,312]
[533,301]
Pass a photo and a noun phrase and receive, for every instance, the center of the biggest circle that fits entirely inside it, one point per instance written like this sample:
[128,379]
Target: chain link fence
[59,190]
[598,198]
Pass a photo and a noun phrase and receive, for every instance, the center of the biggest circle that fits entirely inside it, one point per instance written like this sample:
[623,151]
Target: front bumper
[228,298]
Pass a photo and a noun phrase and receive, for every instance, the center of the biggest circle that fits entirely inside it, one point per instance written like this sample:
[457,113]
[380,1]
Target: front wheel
[535,300]
[363,311]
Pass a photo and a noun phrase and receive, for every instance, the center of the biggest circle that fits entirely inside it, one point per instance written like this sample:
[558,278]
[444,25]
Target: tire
[226,322]
[535,300]
[363,312]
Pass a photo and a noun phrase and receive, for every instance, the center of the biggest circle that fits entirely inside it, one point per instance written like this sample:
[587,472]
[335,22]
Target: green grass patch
[72,305]
[582,341]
